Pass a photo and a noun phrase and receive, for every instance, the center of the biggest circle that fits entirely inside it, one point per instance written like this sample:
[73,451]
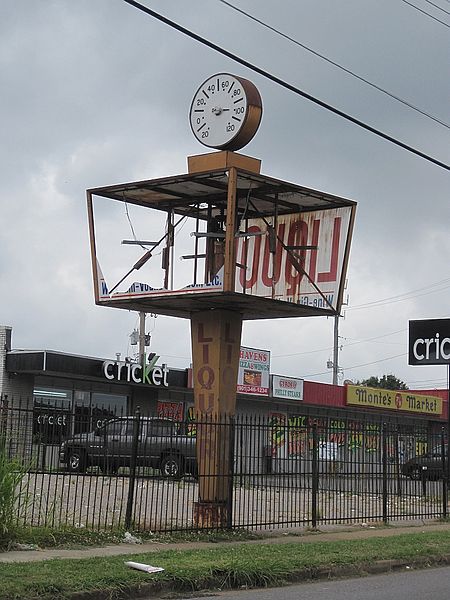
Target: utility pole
[335,363]
[336,350]
[141,336]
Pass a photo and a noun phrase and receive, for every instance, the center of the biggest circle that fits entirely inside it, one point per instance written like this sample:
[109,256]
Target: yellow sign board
[358,395]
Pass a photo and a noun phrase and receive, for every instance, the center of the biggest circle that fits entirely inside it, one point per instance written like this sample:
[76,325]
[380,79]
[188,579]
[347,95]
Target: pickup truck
[109,447]
[427,466]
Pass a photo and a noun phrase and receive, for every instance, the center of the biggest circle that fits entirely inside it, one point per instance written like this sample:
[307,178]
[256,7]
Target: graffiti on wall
[295,434]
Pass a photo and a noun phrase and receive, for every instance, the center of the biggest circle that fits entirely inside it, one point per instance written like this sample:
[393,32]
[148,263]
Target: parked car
[160,444]
[427,466]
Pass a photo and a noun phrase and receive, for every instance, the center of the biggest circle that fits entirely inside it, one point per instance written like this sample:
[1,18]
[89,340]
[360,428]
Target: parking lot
[158,504]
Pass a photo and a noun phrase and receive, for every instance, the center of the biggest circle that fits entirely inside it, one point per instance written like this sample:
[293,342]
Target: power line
[376,341]
[335,64]
[375,305]
[373,362]
[284,84]
[438,7]
[358,366]
[373,339]
[352,343]
[405,296]
[424,12]
[427,381]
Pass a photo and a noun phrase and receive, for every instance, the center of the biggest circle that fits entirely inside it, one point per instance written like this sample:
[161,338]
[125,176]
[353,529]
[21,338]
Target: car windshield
[112,428]
[161,428]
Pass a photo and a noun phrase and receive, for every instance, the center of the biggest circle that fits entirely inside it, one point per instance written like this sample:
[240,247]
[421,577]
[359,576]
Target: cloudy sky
[94,92]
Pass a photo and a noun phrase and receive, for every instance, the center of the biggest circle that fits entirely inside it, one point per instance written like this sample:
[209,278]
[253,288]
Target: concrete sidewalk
[331,533]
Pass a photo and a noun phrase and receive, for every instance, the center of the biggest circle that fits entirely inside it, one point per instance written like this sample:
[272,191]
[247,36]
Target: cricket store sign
[50,425]
[429,342]
[323,238]
[148,374]
[393,400]
[287,388]
[253,374]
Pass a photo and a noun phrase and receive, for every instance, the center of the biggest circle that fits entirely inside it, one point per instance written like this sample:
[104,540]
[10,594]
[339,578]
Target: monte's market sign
[132,372]
[393,400]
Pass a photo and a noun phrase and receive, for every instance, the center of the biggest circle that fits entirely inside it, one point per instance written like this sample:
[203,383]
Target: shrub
[11,474]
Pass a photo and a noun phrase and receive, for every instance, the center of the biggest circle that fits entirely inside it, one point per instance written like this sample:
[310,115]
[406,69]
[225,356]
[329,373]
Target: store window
[82,412]
[60,413]
[92,410]
[52,415]
[107,406]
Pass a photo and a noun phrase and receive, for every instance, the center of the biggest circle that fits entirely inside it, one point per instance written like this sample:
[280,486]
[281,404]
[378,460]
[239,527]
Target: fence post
[397,464]
[133,460]
[385,474]
[231,434]
[315,478]
[445,481]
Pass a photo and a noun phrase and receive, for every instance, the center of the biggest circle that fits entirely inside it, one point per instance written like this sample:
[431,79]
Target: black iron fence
[147,472]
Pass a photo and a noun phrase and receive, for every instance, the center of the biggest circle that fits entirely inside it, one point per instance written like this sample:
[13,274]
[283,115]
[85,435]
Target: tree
[387,382]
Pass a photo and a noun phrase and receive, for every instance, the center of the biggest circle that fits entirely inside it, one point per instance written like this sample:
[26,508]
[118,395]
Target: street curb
[215,584]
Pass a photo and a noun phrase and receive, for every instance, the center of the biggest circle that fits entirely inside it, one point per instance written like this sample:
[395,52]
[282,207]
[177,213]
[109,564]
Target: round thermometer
[225,112]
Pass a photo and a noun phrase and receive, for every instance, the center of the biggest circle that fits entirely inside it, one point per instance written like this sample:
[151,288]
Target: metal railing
[147,473]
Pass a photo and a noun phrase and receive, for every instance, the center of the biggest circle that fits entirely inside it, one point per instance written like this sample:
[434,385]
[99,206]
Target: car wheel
[416,474]
[76,461]
[172,466]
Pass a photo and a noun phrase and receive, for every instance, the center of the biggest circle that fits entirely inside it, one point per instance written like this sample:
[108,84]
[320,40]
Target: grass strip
[224,567]
[73,537]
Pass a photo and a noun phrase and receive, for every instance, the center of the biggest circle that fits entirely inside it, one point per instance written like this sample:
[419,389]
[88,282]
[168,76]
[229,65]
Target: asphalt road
[427,584]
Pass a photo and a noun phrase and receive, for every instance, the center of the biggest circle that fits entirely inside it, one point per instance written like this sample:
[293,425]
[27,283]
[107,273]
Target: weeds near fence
[12,472]
[74,537]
